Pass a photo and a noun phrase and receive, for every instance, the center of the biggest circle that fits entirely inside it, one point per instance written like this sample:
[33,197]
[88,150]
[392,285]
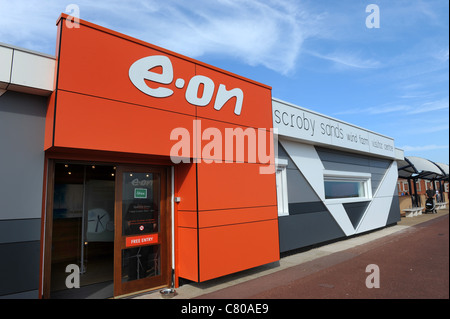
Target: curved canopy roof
[417,167]
[444,169]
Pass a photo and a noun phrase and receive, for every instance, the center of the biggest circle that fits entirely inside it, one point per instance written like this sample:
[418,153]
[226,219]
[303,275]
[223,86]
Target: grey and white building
[334,179]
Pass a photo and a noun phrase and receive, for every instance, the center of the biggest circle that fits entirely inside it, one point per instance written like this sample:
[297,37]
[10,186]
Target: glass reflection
[140,262]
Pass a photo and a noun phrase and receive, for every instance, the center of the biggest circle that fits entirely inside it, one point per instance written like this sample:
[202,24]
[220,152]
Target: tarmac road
[413,264]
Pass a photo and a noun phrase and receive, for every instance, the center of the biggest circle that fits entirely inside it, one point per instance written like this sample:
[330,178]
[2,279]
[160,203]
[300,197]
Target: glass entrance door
[82,230]
[141,245]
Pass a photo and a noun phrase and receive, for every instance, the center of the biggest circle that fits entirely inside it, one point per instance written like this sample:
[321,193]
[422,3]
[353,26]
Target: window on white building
[282,195]
[347,186]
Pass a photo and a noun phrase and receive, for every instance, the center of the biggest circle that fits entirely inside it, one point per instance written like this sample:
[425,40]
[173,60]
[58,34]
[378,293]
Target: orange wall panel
[186,186]
[186,259]
[92,123]
[187,219]
[49,117]
[97,63]
[234,185]
[221,141]
[214,218]
[256,107]
[228,249]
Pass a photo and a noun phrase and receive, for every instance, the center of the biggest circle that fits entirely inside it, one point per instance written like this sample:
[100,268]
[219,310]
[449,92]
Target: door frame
[164,234]
[98,158]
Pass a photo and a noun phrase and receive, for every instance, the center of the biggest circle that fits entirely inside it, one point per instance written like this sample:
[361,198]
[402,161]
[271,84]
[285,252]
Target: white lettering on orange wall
[141,71]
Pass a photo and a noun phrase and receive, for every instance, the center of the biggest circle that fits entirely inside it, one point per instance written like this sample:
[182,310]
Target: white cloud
[431,106]
[419,148]
[30,24]
[258,33]
[268,33]
[427,128]
[383,109]
[441,55]
[403,109]
[348,60]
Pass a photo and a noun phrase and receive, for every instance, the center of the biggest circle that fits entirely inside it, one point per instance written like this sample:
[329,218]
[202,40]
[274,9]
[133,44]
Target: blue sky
[318,54]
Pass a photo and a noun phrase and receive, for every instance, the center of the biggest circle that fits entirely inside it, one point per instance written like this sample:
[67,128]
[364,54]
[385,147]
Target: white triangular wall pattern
[310,165]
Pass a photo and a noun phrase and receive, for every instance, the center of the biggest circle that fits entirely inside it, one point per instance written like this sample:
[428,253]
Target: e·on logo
[140,71]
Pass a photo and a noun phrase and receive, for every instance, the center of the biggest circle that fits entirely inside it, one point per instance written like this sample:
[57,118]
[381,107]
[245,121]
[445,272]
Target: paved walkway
[329,271]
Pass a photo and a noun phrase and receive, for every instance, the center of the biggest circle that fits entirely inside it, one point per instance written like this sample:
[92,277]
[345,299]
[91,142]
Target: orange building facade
[140,109]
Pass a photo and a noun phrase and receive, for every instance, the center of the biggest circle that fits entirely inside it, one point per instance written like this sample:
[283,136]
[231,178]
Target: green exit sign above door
[140,193]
